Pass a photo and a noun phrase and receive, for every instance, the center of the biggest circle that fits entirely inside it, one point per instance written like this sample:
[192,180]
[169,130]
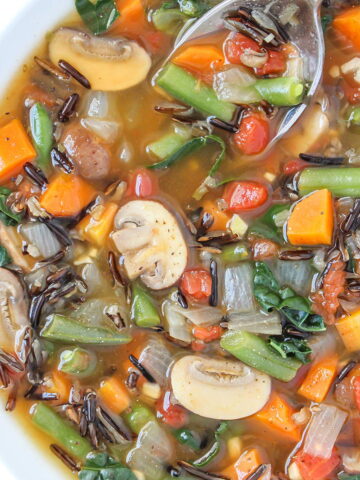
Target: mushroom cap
[109,63]
[152,244]
[219,388]
[13,312]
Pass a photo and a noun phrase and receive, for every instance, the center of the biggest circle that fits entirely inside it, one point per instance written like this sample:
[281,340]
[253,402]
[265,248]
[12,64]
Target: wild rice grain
[68,108]
[65,458]
[75,74]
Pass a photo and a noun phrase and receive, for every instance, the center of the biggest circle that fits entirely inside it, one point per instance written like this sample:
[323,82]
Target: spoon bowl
[306,35]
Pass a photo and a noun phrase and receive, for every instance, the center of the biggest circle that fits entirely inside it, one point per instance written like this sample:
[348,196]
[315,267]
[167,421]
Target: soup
[179,295]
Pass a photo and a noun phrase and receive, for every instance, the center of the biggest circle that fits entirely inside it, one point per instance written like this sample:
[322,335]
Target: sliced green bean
[41,128]
[281,91]
[60,430]
[78,362]
[139,416]
[60,328]
[185,87]
[143,310]
[341,181]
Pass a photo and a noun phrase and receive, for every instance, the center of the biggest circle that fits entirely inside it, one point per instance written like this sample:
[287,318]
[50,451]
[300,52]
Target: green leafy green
[188,437]
[265,226]
[297,309]
[5,258]
[190,147]
[98,16]
[291,347]
[7,217]
[214,449]
[100,466]
[326,20]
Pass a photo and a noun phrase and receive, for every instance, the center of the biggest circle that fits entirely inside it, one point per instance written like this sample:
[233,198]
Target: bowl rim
[23,24]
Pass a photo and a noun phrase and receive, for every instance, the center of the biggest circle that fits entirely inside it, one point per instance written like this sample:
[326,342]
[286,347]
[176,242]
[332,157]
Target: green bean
[183,86]
[60,328]
[166,145]
[138,417]
[143,310]
[257,353]
[51,423]
[234,253]
[78,362]
[41,128]
[341,181]
[168,20]
[281,91]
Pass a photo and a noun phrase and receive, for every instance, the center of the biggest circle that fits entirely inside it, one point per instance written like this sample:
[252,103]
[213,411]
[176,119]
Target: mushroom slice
[218,388]
[108,63]
[152,244]
[13,312]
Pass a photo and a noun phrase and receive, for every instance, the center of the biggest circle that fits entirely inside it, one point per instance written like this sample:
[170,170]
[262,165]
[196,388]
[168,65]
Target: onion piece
[257,322]
[235,85]
[106,130]
[176,321]
[97,104]
[237,289]
[153,449]
[324,427]
[41,236]
[324,344]
[156,358]
[294,274]
[205,315]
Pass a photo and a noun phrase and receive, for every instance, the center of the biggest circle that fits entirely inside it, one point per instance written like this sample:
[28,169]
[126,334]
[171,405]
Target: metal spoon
[307,36]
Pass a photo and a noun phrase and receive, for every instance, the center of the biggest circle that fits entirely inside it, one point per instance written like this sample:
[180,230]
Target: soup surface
[176,298]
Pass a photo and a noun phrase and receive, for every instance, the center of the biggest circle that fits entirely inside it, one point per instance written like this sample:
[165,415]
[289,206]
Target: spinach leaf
[326,21]
[214,449]
[7,217]
[5,258]
[291,347]
[190,147]
[297,309]
[265,226]
[98,16]
[100,466]
[266,287]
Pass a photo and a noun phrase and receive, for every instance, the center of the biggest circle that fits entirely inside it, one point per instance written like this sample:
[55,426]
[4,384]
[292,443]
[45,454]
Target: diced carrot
[348,23]
[277,414]
[311,222]
[316,468]
[61,385]
[96,228]
[15,149]
[200,59]
[319,378]
[221,218]
[114,395]
[67,195]
[132,16]
[246,464]
[207,334]
[349,330]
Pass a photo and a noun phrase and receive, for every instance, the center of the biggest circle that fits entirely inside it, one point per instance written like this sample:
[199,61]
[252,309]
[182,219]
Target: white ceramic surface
[23,24]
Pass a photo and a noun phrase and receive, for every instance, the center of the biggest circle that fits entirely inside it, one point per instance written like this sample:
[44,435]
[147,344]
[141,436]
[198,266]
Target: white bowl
[23,24]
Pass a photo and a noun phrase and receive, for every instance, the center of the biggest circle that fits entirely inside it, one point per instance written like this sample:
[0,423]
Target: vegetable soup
[179,294]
